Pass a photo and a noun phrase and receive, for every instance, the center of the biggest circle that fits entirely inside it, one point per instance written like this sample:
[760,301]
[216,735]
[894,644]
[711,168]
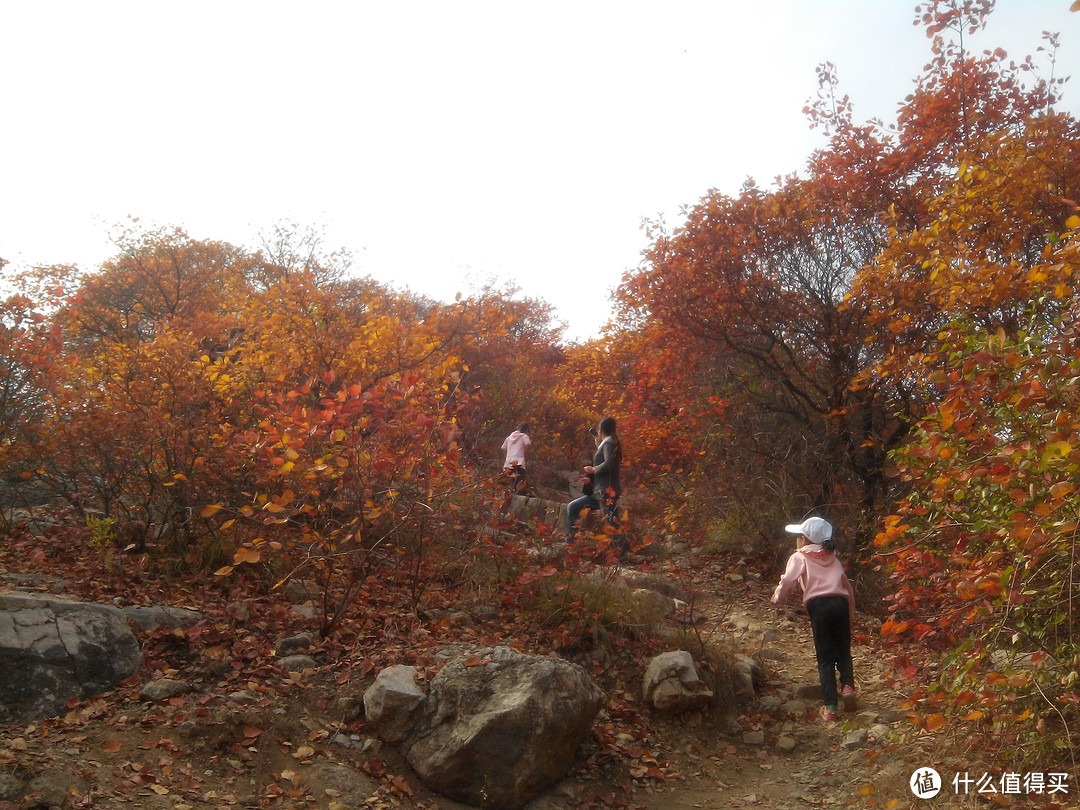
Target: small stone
[243,697]
[370,746]
[770,705]
[732,726]
[855,739]
[293,644]
[163,689]
[52,790]
[10,787]
[350,708]
[754,738]
[485,613]
[297,663]
[786,744]
[300,592]
[879,732]
[796,707]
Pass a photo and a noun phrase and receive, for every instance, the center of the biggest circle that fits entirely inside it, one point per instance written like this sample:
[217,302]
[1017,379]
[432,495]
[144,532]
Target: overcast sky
[445,143]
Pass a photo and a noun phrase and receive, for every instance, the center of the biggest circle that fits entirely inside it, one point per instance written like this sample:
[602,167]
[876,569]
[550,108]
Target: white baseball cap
[816,530]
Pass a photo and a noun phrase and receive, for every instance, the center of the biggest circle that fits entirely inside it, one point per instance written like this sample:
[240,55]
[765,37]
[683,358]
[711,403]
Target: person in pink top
[830,602]
[516,446]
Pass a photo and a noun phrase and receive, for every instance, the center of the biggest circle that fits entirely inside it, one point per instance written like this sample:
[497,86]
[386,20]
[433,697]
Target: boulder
[671,684]
[391,701]
[498,727]
[52,650]
[148,618]
[527,509]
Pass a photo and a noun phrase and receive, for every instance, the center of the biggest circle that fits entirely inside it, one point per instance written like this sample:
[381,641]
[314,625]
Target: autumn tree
[28,346]
[512,366]
[758,284]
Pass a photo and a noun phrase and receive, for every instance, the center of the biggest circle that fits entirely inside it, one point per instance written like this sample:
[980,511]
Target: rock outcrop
[496,727]
[52,650]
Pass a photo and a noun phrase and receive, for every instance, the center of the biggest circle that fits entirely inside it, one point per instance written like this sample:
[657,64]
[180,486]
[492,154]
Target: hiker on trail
[516,445]
[606,485]
[830,602]
[586,481]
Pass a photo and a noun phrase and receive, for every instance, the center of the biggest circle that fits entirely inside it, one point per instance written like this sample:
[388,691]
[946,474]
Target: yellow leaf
[246,555]
[211,509]
[948,413]
[935,721]
[1073,222]
[1062,488]
[159,790]
[867,790]
[1061,448]
[224,571]
[227,524]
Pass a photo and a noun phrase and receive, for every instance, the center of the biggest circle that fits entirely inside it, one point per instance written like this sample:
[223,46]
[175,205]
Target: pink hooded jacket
[515,446]
[819,572]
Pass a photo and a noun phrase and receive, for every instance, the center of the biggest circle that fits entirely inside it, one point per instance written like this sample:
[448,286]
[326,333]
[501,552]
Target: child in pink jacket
[830,602]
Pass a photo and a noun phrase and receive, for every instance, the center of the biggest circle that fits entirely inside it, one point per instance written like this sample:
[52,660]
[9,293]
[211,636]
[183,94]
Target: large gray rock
[391,702]
[52,650]
[497,727]
[553,513]
[148,618]
[671,684]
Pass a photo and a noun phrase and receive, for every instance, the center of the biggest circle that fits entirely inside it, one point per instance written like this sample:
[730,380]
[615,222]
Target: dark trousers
[831,624]
[610,509]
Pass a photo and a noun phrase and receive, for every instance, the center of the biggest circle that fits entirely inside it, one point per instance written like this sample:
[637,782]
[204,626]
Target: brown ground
[290,741]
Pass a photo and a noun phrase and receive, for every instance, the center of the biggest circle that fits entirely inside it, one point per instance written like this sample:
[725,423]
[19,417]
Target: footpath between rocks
[776,751]
[772,751]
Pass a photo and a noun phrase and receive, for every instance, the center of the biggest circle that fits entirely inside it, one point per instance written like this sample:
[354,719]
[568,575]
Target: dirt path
[778,752]
[272,745]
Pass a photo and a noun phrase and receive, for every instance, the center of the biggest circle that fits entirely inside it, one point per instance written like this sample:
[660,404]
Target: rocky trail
[263,737]
[777,751]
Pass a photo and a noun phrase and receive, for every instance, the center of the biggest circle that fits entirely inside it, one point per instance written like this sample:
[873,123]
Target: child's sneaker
[848,695]
[828,714]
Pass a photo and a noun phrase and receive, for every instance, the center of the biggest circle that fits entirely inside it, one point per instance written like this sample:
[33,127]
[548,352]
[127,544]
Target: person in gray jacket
[604,473]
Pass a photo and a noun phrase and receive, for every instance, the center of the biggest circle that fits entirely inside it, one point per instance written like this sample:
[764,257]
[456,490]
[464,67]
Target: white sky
[445,142]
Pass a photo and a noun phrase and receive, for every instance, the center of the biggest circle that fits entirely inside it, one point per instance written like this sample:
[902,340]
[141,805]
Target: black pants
[830,622]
